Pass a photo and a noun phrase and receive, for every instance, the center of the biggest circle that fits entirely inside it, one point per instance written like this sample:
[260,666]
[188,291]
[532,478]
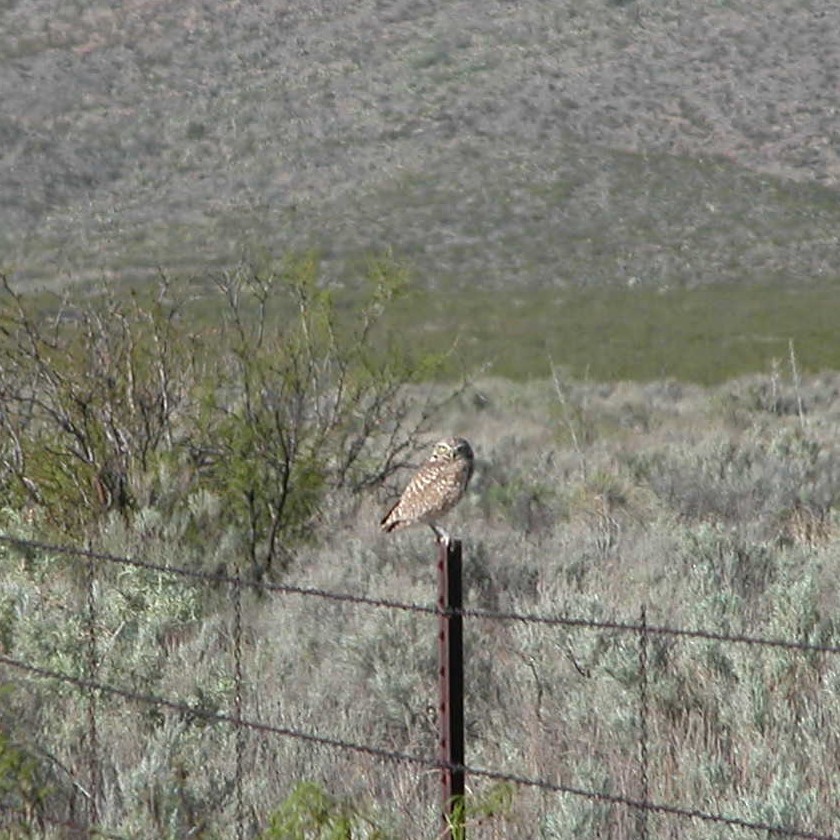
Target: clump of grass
[310,812]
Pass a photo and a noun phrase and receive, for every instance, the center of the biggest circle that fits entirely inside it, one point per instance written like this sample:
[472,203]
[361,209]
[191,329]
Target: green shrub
[310,813]
[265,403]
[92,396]
[22,791]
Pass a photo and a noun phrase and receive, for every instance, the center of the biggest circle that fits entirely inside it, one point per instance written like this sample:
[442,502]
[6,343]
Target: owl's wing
[411,497]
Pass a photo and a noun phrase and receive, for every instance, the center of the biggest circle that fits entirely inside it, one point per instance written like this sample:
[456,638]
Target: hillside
[599,238]
[541,144]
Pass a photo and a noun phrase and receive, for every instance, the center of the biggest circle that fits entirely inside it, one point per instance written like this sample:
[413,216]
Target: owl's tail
[387,523]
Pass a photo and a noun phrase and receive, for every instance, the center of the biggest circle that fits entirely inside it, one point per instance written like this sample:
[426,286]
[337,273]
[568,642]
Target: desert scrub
[274,398]
[754,476]
[733,729]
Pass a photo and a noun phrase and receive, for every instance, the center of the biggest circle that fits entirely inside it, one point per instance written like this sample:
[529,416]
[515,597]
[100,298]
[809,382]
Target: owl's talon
[441,536]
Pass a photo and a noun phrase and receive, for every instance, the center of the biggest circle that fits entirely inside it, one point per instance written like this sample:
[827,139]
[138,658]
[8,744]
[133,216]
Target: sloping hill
[545,143]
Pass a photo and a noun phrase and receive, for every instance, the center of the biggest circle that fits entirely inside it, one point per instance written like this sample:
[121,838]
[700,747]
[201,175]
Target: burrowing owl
[435,488]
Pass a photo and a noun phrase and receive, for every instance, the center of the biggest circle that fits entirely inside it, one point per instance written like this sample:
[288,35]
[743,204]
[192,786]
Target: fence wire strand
[384,603]
[395,756]
[93,689]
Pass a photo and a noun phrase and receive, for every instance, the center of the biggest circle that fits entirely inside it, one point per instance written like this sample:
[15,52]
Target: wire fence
[96,692]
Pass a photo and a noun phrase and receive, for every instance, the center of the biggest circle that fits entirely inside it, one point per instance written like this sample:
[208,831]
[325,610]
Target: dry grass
[712,508]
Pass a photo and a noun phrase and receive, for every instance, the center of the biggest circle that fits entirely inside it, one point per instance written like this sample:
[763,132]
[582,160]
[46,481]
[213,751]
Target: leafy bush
[22,790]
[310,813]
[266,404]
[91,398]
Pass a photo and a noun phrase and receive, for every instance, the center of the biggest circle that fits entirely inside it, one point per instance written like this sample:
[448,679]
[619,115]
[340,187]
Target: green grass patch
[705,335]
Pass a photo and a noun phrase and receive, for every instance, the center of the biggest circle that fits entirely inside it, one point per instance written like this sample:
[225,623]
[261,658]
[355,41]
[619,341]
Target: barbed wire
[654,629]
[220,717]
[408,758]
[384,603]
[220,577]
[655,807]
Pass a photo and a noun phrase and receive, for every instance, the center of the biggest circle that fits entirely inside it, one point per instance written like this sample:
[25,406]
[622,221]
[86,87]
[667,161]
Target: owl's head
[452,449]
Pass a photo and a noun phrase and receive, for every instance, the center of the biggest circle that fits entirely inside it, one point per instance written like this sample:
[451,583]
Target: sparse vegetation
[623,213]
[715,509]
[128,407]
[552,145]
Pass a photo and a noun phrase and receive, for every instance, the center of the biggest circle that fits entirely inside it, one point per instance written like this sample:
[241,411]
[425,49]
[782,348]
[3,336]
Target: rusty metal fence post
[91,673]
[642,815]
[451,679]
[237,704]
